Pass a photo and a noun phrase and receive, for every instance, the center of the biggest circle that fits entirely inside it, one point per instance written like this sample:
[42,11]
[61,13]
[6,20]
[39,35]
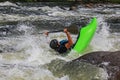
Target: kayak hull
[85,36]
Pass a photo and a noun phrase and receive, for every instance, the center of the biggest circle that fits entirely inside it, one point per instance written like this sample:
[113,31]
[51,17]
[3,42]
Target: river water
[27,56]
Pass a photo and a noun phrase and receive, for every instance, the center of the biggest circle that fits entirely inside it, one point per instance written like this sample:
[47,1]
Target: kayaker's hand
[65,30]
[46,33]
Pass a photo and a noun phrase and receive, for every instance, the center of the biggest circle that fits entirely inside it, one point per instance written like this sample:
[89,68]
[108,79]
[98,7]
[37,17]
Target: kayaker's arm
[70,41]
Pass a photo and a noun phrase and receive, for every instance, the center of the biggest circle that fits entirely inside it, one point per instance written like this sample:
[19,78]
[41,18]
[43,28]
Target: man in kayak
[64,45]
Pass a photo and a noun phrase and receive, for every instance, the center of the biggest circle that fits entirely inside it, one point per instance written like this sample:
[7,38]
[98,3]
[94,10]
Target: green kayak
[85,36]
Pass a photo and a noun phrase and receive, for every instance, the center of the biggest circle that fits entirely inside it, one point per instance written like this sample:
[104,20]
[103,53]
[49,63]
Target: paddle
[72,29]
[52,31]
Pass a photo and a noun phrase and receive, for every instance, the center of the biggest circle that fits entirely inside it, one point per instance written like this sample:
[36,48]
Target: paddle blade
[73,29]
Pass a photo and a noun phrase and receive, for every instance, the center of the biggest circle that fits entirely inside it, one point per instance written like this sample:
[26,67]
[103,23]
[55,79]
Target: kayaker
[64,45]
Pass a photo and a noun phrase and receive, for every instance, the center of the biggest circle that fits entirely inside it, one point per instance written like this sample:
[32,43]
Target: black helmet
[54,43]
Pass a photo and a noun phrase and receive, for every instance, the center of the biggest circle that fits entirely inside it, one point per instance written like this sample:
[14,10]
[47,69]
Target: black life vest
[62,49]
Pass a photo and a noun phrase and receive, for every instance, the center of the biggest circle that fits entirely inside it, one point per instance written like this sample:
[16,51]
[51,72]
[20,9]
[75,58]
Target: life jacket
[62,49]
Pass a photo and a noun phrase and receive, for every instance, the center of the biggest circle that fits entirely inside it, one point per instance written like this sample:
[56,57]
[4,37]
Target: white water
[32,51]
[103,39]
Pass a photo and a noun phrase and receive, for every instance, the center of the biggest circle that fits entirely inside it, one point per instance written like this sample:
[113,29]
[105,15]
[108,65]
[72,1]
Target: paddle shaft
[71,29]
[53,31]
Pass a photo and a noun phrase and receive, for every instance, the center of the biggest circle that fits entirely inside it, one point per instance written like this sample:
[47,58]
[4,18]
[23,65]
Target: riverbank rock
[107,60]
[77,70]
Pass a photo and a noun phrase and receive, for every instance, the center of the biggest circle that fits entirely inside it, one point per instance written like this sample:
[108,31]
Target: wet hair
[54,44]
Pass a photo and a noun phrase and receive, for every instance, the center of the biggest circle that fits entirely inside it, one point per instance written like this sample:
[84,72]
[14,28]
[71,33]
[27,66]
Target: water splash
[101,39]
[7,3]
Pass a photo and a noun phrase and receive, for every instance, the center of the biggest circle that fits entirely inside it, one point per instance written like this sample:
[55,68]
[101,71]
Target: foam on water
[32,51]
[7,3]
[26,72]
[101,40]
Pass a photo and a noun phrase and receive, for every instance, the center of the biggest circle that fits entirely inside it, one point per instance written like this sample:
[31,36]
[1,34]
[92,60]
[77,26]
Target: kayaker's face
[58,44]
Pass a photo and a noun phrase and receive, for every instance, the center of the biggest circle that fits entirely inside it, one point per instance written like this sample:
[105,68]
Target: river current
[25,54]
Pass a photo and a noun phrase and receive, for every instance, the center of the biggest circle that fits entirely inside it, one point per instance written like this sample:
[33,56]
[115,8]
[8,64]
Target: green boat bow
[85,36]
